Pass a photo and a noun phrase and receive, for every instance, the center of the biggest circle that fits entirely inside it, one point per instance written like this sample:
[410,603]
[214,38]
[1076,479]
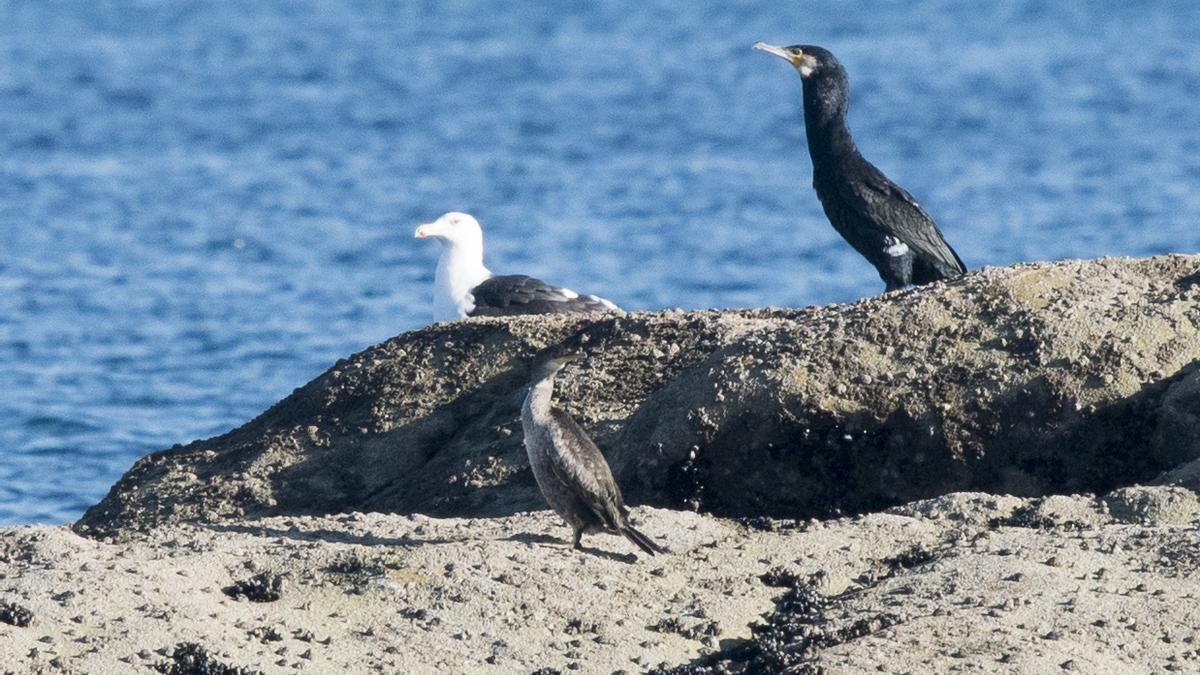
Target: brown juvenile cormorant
[569,468]
[876,216]
[463,287]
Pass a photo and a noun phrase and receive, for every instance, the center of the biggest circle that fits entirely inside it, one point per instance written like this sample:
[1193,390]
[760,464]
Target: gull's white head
[453,229]
[460,265]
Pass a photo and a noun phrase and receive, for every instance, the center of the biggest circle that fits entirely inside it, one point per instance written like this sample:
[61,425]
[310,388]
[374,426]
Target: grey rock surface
[1073,376]
[966,582]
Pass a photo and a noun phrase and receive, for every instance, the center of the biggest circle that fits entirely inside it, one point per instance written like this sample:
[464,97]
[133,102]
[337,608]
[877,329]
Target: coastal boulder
[1073,376]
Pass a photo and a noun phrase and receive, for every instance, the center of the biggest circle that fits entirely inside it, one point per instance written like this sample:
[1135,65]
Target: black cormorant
[569,468]
[876,216]
[463,287]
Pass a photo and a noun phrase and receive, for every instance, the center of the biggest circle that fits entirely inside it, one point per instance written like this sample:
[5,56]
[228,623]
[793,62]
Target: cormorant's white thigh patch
[568,293]
[894,247]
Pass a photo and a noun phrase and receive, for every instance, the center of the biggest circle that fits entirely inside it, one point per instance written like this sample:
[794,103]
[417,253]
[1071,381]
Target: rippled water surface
[204,204]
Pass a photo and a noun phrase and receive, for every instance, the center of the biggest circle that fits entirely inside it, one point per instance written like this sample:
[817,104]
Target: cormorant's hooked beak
[567,358]
[552,365]
[782,53]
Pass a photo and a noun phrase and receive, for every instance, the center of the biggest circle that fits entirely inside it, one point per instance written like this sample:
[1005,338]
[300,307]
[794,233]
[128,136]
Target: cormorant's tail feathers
[925,271]
[642,541]
[962,266]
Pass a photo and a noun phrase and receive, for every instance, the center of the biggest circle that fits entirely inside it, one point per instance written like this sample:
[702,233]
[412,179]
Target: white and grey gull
[570,470]
[464,287]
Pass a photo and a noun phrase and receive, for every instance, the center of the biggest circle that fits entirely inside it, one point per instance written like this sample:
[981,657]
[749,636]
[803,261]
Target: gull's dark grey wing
[520,294]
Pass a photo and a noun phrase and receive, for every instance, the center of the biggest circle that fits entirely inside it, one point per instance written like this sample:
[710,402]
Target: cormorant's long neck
[537,401]
[825,121]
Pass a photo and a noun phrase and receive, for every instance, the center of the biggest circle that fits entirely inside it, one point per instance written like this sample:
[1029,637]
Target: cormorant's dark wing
[583,467]
[896,213]
[520,294]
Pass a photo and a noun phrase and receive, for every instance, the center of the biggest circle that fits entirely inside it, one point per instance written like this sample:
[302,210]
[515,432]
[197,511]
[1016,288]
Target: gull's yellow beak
[782,53]
[424,231]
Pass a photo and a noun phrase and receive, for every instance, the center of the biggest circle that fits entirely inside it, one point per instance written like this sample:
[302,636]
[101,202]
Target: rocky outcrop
[1076,376]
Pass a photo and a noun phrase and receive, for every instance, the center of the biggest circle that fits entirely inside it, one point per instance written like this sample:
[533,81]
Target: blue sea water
[204,204]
